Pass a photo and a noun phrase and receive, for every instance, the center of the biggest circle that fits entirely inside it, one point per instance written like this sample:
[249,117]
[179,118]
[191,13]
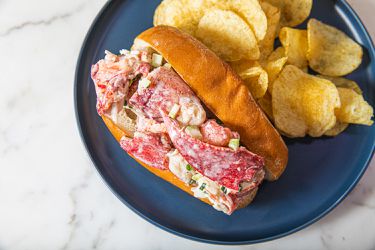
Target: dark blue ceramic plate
[320,173]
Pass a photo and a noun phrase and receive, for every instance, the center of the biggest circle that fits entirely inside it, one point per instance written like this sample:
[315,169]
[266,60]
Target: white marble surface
[50,195]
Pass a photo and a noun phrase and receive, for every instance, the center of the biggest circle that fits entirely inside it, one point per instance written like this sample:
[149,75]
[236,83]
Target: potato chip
[337,129]
[343,83]
[274,65]
[354,109]
[242,65]
[265,104]
[330,51]
[277,54]
[254,76]
[273,22]
[182,14]
[295,43]
[303,104]
[293,12]
[256,80]
[248,10]
[227,35]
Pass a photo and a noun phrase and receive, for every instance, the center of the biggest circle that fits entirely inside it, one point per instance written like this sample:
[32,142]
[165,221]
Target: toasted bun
[222,91]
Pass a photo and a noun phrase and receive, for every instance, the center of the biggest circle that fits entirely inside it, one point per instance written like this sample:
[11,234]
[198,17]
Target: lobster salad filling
[169,128]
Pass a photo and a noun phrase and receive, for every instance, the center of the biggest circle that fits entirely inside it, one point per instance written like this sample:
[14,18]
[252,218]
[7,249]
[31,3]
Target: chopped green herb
[224,189]
[202,187]
[239,188]
[188,167]
[192,182]
[219,122]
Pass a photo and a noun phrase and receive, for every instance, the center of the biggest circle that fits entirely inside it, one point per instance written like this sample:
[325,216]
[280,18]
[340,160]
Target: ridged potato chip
[274,65]
[266,46]
[295,43]
[354,109]
[248,10]
[182,14]
[337,129]
[343,83]
[330,51]
[265,104]
[228,35]
[254,76]
[303,104]
[293,12]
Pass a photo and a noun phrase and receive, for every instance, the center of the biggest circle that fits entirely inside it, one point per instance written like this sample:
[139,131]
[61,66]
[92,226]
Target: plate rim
[106,181]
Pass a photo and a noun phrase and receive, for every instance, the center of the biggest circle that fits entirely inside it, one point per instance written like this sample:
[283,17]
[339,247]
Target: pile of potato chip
[243,33]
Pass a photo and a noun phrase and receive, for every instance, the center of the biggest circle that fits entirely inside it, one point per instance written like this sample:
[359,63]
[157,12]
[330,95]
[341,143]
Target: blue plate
[320,173]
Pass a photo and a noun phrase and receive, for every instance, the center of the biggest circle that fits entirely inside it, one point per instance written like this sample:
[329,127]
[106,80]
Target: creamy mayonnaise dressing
[201,186]
[178,166]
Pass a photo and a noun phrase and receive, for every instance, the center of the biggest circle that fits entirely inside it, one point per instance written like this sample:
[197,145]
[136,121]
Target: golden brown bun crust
[223,92]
